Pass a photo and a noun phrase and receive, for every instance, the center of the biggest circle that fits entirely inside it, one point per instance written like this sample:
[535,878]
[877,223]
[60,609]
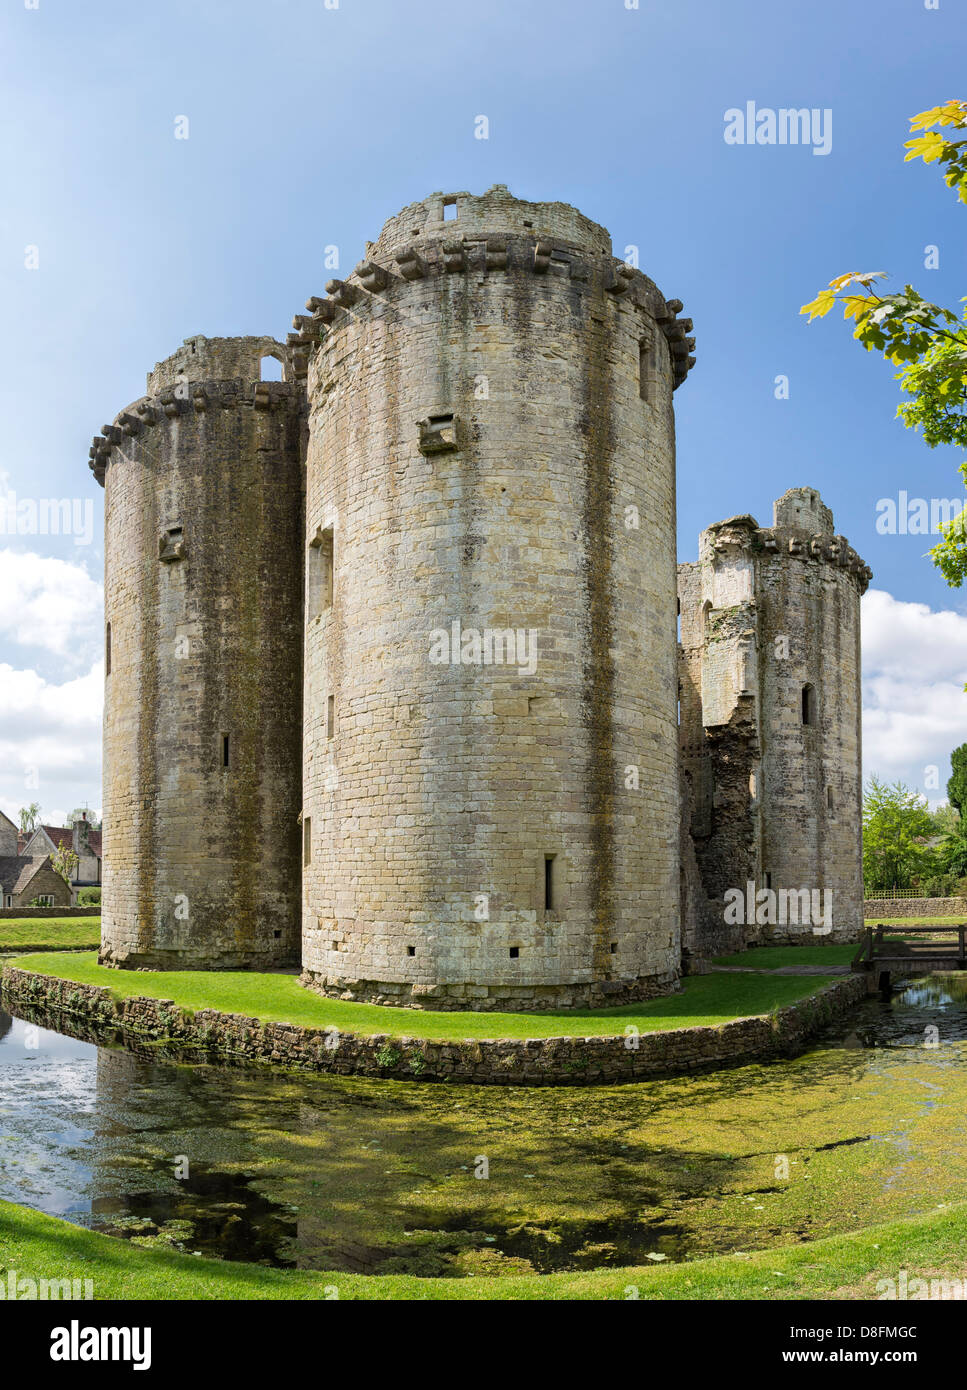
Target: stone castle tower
[204,510]
[770,717]
[397,634]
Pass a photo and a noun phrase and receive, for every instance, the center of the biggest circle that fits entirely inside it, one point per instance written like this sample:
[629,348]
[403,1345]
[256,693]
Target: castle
[392,683]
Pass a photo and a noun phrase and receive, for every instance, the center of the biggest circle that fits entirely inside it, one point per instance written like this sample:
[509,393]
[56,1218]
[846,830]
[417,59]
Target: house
[81,838]
[24,877]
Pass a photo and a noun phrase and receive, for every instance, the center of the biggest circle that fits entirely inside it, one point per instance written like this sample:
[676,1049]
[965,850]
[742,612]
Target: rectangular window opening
[307,840]
[808,705]
[768,878]
[107,650]
[225,751]
[549,882]
[514,952]
[449,209]
[331,717]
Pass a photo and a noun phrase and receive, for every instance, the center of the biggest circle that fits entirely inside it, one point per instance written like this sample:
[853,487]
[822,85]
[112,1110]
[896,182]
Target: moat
[382,1177]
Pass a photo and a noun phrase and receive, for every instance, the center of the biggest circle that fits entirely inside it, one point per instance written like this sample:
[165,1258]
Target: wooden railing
[894,948]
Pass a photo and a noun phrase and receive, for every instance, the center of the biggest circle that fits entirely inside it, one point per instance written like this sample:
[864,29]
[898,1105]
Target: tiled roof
[16,870]
[60,834]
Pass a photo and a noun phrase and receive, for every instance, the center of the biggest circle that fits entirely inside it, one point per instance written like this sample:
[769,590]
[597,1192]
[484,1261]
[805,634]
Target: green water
[383,1177]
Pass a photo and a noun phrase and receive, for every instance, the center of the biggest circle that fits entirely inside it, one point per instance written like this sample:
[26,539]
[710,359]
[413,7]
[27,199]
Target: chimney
[81,837]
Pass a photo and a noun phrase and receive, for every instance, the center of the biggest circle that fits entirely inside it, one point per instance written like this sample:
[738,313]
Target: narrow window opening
[307,839]
[107,650]
[648,369]
[768,878]
[319,585]
[549,883]
[411,950]
[225,751]
[514,952]
[829,798]
[276,934]
[449,209]
[614,948]
[808,705]
[331,717]
[270,368]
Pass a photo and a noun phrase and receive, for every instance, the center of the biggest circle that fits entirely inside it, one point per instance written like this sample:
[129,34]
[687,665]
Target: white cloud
[50,741]
[914,704]
[50,603]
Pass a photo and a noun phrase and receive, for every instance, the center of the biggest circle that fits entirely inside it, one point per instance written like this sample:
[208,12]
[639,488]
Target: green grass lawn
[49,933]
[844,1266]
[704,999]
[772,957]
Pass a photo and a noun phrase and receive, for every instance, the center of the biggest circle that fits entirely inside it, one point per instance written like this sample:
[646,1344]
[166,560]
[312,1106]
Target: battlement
[802,530]
[217,359]
[493,232]
[173,401]
[466,214]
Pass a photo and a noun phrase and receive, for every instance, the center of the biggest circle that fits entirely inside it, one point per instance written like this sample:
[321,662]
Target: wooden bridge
[916,950]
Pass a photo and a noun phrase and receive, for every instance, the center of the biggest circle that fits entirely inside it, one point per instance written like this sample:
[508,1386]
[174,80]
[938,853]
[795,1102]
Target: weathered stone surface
[89,1011]
[776,800]
[203,600]
[878,909]
[477,437]
[474,435]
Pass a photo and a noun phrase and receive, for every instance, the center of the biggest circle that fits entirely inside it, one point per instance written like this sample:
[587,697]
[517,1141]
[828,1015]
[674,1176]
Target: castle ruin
[392,681]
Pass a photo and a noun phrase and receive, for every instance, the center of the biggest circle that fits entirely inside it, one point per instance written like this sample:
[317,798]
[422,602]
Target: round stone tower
[808,590]
[491,803]
[204,516]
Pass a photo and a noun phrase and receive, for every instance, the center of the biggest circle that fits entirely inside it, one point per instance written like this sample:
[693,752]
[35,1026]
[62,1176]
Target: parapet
[803,509]
[802,529]
[467,214]
[490,233]
[217,359]
[204,374]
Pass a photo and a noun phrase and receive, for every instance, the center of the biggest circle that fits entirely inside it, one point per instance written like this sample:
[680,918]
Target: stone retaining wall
[40,912]
[570,1061]
[875,909]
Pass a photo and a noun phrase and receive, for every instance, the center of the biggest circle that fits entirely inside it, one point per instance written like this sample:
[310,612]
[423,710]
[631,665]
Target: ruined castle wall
[491,444]
[812,778]
[776,785]
[203,606]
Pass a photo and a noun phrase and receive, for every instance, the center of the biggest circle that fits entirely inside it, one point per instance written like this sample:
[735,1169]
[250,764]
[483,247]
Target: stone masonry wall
[91,1012]
[491,445]
[203,602]
[765,613]
[875,909]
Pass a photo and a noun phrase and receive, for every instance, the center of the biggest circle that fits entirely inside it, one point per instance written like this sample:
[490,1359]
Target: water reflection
[345,1174]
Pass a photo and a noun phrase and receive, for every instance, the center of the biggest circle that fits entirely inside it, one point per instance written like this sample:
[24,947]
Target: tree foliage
[927,341]
[64,861]
[29,817]
[896,825]
[957,785]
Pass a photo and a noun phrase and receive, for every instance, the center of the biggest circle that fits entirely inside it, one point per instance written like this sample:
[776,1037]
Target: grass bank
[774,957]
[844,1266]
[49,933]
[703,1000]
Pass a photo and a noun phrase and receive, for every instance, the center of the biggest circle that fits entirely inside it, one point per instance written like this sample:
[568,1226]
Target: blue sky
[309,126]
